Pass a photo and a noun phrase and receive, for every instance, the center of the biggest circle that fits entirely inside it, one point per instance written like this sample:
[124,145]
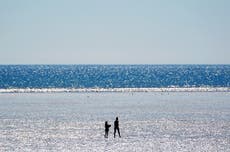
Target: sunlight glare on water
[159,121]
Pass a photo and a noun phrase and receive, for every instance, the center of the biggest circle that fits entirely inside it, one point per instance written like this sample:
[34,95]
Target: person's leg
[114,132]
[118,130]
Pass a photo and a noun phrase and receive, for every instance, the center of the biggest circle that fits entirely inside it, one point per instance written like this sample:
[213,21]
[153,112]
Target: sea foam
[60,90]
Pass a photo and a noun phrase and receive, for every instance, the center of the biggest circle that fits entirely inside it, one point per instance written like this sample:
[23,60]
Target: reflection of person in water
[116,127]
[107,126]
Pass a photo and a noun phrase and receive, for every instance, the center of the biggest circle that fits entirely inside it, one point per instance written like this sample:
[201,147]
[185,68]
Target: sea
[161,108]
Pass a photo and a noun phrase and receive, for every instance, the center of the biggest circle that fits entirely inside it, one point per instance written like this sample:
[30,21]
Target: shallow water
[154,121]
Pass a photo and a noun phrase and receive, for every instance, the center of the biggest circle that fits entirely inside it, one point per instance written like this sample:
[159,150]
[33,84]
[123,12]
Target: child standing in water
[107,126]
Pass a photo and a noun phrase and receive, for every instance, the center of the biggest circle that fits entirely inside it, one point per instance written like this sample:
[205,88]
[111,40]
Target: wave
[62,90]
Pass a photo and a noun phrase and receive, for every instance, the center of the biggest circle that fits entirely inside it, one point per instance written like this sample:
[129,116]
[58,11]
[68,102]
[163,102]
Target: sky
[114,32]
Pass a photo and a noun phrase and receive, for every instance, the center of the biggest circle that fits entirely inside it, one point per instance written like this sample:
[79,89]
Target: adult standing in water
[116,127]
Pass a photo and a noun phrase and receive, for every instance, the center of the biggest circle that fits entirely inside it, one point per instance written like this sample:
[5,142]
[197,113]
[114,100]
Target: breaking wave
[62,90]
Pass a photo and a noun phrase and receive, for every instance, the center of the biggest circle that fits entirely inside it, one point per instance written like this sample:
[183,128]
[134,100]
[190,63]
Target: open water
[167,108]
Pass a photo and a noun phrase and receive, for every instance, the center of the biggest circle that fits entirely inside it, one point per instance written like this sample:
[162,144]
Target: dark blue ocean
[113,76]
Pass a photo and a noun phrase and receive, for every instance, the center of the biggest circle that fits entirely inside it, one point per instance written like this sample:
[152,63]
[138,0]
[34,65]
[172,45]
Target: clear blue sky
[115,32]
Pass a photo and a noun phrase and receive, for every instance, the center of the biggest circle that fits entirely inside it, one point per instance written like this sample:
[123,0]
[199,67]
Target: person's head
[116,118]
[106,122]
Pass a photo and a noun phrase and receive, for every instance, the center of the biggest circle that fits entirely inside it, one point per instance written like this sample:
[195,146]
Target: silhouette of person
[116,127]
[107,126]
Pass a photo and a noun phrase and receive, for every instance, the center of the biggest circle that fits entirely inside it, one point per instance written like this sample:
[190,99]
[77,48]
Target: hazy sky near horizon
[115,32]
